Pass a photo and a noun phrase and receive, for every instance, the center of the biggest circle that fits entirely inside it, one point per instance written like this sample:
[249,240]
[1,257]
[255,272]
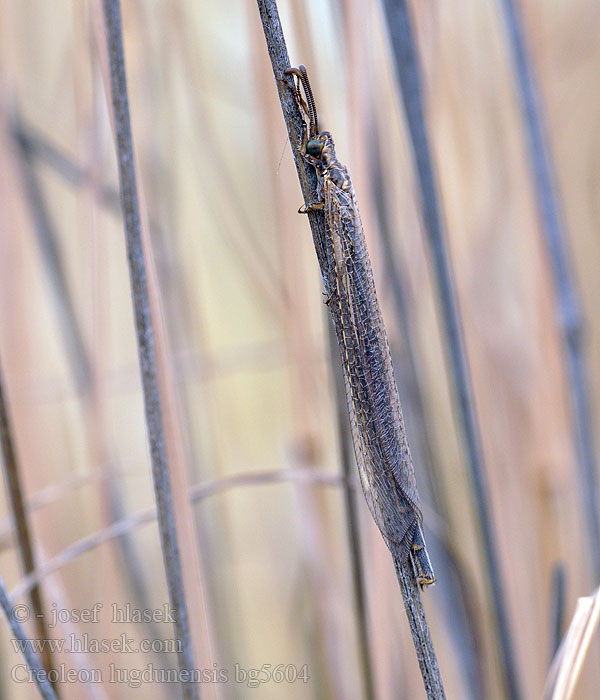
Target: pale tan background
[243,313]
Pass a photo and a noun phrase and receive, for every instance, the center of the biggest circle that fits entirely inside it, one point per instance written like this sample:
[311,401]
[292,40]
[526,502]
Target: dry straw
[570,657]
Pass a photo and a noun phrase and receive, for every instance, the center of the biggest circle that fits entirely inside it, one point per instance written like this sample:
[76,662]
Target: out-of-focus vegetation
[248,355]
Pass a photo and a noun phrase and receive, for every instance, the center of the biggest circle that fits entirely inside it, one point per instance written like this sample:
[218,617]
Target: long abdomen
[382,453]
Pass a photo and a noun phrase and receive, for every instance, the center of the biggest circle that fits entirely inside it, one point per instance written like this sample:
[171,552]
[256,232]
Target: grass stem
[568,306]
[352,523]
[280,62]
[20,519]
[409,77]
[36,669]
[146,348]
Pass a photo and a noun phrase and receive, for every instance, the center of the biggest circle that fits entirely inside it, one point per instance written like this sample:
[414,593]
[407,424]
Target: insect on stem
[380,445]
[302,76]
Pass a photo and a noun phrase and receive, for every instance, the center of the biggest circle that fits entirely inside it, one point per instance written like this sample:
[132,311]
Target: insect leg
[315,206]
[295,88]
[420,559]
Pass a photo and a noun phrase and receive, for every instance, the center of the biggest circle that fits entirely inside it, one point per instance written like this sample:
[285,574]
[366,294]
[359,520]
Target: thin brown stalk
[50,494]
[569,310]
[408,71]
[308,181]
[146,345]
[20,519]
[175,440]
[84,366]
[419,629]
[47,242]
[84,661]
[456,593]
[196,493]
[353,528]
[321,589]
[19,635]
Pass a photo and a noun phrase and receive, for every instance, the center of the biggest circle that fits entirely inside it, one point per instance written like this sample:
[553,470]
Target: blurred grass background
[243,312]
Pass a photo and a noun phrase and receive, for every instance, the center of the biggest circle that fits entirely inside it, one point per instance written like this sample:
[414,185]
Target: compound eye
[314,148]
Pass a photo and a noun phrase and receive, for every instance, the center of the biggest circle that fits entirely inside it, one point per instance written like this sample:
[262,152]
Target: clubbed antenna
[302,76]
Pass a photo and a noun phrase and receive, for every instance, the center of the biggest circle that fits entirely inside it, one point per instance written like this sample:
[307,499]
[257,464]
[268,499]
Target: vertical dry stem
[308,181]
[146,346]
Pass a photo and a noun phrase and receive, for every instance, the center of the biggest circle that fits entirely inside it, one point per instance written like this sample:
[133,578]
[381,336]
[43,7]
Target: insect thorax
[329,166]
